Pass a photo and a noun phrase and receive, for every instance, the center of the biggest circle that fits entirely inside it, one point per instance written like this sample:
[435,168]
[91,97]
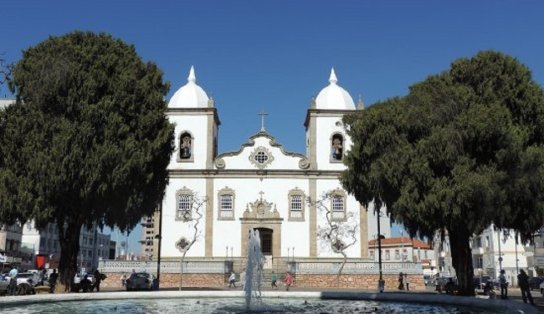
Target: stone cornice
[253,173]
[194,111]
[325,113]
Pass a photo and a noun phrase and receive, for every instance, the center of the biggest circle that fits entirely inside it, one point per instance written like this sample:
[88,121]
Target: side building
[93,245]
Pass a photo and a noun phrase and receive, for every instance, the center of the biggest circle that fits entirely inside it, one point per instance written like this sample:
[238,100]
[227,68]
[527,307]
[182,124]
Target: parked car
[25,283]
[446,284]
[542,288]
[534,282]
[480,282]
[28,278]
[140,280]
[428,280]
[83,283]
[4,285]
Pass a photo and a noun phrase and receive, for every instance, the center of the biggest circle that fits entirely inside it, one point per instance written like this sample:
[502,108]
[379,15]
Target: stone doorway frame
[259,214]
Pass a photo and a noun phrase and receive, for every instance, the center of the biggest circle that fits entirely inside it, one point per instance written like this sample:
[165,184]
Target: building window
[296,205]
[371,254]
[337,147]
[397,255]
[186,146]
[338,205]
[184,205]
[387,256]
[226,203]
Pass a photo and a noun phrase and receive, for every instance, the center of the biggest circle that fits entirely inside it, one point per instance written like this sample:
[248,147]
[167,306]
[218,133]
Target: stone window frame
[335,195]
[187,214]
[192,158]
[296,192]
[332,137]
[223,192]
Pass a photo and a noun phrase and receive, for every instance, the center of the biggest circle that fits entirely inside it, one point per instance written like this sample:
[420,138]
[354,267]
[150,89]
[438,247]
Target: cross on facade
[262,114]
[261,193]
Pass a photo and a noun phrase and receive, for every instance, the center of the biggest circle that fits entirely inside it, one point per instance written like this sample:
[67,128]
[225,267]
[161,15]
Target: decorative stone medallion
[261,157]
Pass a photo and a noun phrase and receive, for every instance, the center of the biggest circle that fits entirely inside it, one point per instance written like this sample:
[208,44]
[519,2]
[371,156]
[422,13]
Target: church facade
[220,197]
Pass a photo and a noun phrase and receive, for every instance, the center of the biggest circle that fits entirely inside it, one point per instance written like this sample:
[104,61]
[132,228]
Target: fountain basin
[275,301]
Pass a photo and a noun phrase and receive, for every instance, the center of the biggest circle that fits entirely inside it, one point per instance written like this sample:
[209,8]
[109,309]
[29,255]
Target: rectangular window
[226,206]
[371,254]
[184,206]
[387,256]
[397,255]
[296,206]
[338,212]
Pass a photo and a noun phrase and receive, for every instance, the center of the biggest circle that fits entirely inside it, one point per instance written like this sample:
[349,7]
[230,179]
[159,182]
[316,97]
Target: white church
[261,186]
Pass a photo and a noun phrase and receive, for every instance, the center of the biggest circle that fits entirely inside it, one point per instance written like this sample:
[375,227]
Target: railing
[190,267]
[224,266]
[356,268]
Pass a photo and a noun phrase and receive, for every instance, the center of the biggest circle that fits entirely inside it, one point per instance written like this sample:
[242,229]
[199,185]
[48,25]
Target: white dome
[190,95]
[334,96]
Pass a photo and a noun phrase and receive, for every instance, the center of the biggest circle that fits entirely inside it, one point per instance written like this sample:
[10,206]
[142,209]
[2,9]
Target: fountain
[252,285]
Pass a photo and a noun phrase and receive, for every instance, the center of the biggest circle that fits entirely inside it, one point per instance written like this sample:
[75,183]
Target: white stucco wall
[173,230]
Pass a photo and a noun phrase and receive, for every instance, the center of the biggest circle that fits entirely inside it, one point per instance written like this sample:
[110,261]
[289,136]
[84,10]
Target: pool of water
[234,305]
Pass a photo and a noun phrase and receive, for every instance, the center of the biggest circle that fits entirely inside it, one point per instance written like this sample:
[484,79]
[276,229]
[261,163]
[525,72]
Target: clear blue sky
[276,55]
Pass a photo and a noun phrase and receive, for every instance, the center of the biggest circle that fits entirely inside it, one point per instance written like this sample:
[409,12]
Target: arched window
[337,147]
[185,146]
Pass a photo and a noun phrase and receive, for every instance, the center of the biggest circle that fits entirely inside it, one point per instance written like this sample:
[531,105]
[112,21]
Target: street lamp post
[381,282]
[500,253]
[159,238]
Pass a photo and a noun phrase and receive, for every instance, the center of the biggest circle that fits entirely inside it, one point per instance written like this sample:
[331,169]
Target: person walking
[13,281]
[274,280]
[523,282]
[406,282]
[504,285]
[288,280]
[53,281]
[97,279]
[123,280]
[401,281]
[232,280]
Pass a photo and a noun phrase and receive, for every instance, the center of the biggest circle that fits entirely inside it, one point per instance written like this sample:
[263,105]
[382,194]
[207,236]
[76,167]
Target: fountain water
[252,285]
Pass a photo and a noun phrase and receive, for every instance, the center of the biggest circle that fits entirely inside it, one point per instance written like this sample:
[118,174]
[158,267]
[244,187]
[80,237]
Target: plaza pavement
[514,304]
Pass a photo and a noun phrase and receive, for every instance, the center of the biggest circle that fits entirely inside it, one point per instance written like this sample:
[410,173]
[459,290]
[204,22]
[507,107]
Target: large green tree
[464,149]
[87,140]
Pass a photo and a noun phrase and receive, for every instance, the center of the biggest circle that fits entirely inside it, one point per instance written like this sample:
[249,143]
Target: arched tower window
[337,147]
[186,147]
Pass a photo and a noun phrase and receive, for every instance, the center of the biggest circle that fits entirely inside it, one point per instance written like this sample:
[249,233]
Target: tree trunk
[69,244]
[461,256]
[341,268]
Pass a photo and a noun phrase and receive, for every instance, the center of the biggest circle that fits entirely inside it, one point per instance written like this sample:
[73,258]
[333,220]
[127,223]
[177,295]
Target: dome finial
[192,77]
[332,78]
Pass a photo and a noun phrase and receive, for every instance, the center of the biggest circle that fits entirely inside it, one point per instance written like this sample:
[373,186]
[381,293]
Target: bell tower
[196,126]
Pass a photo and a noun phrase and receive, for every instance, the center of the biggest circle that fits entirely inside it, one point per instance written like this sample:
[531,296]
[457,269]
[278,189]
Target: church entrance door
[264,217]
[265,235]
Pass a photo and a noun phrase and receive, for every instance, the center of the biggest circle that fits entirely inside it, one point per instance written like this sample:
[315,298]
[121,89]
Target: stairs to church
[279,266]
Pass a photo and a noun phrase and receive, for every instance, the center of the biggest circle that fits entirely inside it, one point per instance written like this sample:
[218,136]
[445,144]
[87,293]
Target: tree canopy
[463,150]
[87,140]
